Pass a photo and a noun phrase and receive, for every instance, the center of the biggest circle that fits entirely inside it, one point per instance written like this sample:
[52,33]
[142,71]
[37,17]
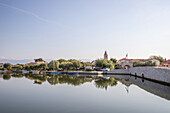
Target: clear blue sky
[84,29]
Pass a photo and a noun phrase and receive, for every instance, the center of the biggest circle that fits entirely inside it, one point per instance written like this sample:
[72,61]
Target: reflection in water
[38,79]
[64,79]
[155,88]
[103,83]
[152,87]
[6,76]
[17,75]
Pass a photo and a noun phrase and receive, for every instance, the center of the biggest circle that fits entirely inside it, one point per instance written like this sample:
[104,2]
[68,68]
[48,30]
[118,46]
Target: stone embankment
[151,73]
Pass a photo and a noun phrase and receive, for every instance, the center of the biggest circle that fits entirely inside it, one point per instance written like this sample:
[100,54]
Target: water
[81,94]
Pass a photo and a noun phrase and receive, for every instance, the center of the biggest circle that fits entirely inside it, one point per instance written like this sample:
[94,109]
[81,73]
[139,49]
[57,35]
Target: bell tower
[105,56]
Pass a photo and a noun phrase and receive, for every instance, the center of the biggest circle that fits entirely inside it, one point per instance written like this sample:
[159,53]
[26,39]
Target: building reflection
[155,88]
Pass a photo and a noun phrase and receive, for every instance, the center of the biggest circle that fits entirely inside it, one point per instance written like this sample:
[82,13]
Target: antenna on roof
[126,55]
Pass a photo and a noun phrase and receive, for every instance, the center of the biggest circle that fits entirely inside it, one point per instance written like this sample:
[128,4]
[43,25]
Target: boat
[104,77]
[72,73]
[56,73]
[105,69]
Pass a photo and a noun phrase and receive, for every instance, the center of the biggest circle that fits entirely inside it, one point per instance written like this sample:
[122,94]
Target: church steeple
[105,56]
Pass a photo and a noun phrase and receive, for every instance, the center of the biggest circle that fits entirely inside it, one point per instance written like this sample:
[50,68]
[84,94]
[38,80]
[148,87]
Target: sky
[84,29]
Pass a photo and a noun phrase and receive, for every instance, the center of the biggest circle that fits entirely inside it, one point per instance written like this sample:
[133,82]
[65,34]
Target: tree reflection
[64,79]
[103,83]
[17,75]
[38,79]
[6,76]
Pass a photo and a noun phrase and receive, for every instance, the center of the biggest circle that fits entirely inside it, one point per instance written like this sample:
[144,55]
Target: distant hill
[12,61]
[24,61]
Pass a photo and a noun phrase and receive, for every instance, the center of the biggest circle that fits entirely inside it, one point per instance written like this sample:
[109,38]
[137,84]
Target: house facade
[38,62]
[128,63]
[166,63]
[1,65]
[41,62]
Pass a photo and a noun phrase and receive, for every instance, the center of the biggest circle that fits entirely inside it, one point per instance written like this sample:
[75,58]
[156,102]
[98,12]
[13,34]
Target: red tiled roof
[1,63]
[166,62]
[124,59]
[31,63]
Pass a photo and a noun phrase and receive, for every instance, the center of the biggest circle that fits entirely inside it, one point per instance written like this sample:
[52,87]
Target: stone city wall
[154,73]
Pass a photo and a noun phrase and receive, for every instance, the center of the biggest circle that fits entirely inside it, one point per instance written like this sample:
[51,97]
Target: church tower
[105,56]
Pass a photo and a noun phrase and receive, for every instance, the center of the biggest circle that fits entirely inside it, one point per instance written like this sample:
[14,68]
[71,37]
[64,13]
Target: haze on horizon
[84,29]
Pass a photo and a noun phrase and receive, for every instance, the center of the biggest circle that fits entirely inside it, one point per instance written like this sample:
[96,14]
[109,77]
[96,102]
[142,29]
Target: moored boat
[104,77]
[72,73]
[56,73]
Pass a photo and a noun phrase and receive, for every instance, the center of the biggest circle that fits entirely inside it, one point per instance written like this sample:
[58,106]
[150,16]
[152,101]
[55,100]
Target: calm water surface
[81,94]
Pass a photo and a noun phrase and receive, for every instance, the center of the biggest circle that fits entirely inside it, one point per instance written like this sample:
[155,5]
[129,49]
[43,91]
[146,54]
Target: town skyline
[90,56]
[105,57]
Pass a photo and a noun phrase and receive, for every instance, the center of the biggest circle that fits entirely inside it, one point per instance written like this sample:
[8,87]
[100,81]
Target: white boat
[106,78]
[25,72]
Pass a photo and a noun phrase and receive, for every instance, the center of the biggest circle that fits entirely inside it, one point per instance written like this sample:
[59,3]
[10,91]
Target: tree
[17,67]
[38,59]
[113,60]
[104,63]
[66,65]
[8,66]
[76,64]
[43,66]
[148,63]
[117,66]
[28,67]
[100,63]
[61,60]
[54,65]
[161,59]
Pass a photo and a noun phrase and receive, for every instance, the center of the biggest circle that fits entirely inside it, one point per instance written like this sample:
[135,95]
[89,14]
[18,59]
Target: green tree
[53,65]
[28,67]
[117,66]
[76,64]
[35,67]
[113,60]
[8,66]
[38,59]
[88,63]
[61,60]
[66,65]
[43,66]
[148,63]
[161,59]
[17,67]
[104,63]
